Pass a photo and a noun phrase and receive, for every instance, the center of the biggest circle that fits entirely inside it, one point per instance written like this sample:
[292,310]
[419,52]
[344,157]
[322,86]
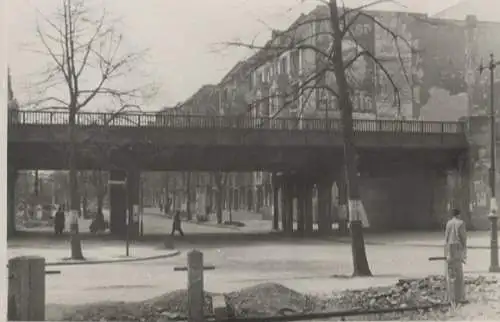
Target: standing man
[176,226]
[456,254]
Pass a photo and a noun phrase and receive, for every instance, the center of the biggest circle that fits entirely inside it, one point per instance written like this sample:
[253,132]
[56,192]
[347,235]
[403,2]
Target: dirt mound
[268,299]
[177,302]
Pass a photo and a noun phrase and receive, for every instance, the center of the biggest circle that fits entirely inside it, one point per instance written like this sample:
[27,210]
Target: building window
[295,96]
[284,65]
[294,62]
[250,81]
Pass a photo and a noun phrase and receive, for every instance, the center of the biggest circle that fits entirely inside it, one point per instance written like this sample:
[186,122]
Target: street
[307,268]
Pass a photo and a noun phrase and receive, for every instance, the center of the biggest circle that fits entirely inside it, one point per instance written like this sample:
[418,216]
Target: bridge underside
[45,156]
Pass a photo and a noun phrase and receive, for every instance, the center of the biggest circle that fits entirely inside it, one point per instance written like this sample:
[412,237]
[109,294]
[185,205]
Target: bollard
[196,297]
[26,292]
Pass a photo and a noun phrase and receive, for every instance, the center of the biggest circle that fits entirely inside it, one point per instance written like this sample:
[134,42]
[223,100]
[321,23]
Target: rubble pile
[271,299]
[268,299]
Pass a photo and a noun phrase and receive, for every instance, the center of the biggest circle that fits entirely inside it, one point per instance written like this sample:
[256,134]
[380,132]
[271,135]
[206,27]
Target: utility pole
[493,216]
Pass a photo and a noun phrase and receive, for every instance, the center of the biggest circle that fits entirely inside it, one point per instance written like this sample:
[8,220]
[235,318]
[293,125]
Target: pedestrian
[176,226]
[455,252]
[59,221]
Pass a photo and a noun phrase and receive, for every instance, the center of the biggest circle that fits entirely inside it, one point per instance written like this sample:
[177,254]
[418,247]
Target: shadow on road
[206,239]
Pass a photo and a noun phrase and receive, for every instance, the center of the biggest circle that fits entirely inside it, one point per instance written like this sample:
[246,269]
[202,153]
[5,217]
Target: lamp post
[493,216]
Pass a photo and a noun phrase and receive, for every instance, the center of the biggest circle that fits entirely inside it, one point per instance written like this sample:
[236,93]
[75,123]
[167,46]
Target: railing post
[139,120]
[26,290]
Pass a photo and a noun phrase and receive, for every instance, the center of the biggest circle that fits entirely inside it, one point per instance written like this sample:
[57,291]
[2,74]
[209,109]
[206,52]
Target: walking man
[59,221]
[176,226]
[456,254]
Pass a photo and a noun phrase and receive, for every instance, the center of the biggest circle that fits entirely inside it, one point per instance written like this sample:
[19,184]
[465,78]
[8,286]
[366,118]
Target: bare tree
[86,65]
[334,74]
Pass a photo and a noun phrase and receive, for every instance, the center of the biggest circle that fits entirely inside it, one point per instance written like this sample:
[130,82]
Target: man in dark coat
[176,226]
[59,221]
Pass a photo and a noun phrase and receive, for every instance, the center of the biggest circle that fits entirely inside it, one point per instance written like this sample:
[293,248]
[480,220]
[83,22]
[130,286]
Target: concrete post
[26,293]
[117,200]
[196,299]
[494,267]
[308,208]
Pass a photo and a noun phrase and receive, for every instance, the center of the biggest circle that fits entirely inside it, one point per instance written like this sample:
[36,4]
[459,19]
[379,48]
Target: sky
[184,37]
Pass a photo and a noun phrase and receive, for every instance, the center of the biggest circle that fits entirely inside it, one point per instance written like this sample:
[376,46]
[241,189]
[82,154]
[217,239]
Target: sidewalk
[93,253]
[475,240]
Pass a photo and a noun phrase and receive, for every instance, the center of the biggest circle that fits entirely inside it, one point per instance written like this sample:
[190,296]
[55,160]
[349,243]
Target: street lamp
[494,267]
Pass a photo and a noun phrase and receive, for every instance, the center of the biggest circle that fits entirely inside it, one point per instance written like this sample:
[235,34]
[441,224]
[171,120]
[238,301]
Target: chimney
[471,21]
[10,93]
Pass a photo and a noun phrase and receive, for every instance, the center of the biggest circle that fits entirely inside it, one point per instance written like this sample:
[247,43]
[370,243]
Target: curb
[110,261]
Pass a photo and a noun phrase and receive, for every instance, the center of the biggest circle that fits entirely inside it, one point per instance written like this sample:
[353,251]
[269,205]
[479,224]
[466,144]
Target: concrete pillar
[287,205]
[133,194]
[478,171]
[237,198]
[11,200]
[117,200]
[243,198]
[250,199]
[275,186]
[324,207]
[283,206]
[300,193]
[308,208]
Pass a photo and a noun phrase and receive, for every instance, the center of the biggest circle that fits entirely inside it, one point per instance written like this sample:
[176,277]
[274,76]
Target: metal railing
[156,120]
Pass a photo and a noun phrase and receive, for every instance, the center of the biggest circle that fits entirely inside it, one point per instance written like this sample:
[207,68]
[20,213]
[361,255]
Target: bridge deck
[174,141]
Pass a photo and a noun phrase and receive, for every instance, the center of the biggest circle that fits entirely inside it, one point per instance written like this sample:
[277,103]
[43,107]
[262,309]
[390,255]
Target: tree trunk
[231,191]
[100,206]
[360,262]
[219,196]
[76,246]
[188,197]
[85,204]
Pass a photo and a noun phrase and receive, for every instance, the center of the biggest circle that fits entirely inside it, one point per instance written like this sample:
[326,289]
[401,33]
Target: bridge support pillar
[117,200]
[324,189]
[287,205]
[300,194]
[133,195]
[11,200]
[236,198]
[308,207]
[276,201]
[250,198]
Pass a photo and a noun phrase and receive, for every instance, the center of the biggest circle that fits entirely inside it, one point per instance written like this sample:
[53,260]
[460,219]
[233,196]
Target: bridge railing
[156,120]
